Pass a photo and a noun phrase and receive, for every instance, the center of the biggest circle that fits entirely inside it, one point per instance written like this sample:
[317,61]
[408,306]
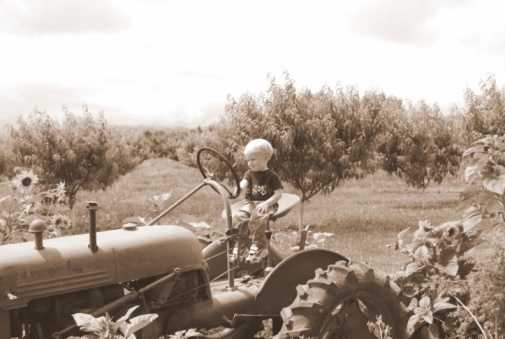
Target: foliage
[164,144]
[191,333]
[420,146]
[485,175]
[379,329]
[434,272]
[488,301]
[82,152]
[7,158]
[318,137]
[23,204]
[483,205]
[445,261]
[484,113]
[105,328]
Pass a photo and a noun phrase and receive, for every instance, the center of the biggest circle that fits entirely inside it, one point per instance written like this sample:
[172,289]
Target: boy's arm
[275,198]
[243,185]
[263,207]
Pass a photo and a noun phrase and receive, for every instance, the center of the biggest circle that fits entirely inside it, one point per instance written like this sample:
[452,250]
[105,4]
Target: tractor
[189,283]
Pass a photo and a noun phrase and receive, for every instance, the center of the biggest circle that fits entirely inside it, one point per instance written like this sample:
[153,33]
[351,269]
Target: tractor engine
[43,283]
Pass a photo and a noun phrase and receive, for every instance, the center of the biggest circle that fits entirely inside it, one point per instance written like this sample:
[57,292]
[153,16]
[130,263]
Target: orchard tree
[81,152]
[7,158]
[420,146]
[318,137]
[484,113]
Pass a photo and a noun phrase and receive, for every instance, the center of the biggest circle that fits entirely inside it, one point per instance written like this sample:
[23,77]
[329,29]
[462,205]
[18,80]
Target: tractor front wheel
[341,301]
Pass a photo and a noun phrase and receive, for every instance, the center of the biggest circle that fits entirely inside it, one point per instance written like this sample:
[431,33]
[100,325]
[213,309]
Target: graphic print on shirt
[259,190]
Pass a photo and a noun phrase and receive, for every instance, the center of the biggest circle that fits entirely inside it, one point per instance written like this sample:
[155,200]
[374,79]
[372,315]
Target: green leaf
[430,332]
[425,302]
[471,173]
[494,206]
[447,255]
[413,321]
[411,268]
[471,150]
[442,306]
[138,323]
[471,218]
[422,254]
[82,319]
[127,314]
[495,185]
[428,317]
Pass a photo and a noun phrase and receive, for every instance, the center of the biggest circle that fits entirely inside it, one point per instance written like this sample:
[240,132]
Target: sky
[175,62]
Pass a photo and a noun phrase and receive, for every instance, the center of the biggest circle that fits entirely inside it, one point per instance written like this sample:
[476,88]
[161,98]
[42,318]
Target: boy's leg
[257,227]
[258,224]
[240,221]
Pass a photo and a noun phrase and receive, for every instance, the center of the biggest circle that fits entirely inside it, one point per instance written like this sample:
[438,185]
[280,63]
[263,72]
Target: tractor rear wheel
[340,301]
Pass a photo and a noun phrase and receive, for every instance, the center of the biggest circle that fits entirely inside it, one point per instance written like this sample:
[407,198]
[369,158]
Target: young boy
[263,189]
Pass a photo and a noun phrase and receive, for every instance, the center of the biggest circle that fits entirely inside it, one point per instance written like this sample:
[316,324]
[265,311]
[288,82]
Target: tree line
[320,138]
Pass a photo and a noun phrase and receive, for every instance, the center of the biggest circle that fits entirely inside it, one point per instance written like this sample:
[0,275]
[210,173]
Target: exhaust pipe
[92,207]
[37,227]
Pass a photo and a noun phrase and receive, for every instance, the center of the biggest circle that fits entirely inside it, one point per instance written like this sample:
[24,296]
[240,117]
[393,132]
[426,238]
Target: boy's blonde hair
[259,145]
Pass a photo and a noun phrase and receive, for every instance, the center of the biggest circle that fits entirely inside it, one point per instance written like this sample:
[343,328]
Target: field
[363,215]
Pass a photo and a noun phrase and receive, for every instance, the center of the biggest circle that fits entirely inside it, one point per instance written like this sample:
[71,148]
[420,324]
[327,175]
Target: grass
[364,215]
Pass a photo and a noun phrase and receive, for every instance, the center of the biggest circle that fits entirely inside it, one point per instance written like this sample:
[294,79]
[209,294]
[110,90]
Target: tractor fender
[278,290]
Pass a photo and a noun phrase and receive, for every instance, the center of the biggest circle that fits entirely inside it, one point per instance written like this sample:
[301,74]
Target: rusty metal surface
[279,288]
[215,254]
[225,303]
[5,326]
[67,264]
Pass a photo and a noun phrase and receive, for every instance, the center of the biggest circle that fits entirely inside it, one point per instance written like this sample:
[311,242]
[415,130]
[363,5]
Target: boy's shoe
[234,254]
[256,253]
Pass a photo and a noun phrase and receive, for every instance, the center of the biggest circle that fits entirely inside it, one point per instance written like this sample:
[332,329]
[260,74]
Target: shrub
[447,262]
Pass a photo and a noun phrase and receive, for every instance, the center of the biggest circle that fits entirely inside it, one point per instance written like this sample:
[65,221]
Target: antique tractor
[165,269]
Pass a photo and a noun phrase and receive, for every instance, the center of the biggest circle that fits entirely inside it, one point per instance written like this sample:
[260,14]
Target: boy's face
[257,161]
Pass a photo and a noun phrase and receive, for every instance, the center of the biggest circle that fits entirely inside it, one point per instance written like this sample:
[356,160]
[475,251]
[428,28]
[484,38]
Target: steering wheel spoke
[210,163]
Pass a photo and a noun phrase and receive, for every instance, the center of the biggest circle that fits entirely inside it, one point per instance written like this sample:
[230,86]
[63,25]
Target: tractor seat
[286,203]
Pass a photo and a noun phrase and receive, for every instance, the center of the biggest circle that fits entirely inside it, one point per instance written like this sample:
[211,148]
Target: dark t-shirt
[261,184]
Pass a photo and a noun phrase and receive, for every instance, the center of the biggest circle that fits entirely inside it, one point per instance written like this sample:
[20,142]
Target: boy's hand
[262,207]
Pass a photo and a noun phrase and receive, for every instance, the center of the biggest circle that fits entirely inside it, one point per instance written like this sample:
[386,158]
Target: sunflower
[61,221]
[25,181]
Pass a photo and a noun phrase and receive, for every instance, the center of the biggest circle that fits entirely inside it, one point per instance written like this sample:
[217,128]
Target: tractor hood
[67,264]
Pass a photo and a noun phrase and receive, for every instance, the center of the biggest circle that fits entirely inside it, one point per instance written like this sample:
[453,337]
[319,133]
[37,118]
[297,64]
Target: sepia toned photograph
[205,169]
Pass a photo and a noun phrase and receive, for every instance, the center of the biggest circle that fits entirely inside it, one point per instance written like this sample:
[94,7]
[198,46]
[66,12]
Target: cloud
[199,74]
[399,21]
[60,17]
[23,99]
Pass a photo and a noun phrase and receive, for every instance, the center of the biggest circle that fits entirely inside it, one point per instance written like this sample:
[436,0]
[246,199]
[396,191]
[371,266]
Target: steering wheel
[209,163]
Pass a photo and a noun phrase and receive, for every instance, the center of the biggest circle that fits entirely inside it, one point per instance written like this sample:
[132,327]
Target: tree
[81,152]
[420,146]
[7,158]
[318,138]
[484,113]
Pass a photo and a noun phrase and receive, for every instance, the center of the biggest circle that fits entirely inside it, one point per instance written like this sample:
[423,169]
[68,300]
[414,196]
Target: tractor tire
[340,301]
